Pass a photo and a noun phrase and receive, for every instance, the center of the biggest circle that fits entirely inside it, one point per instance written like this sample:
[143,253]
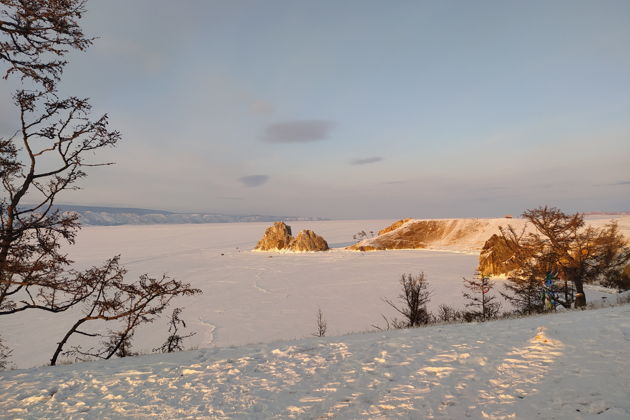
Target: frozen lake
[250,297]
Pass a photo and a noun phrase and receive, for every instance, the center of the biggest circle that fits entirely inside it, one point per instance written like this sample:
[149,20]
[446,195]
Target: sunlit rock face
[393,226]
[496,258]
[278,238]
[417,234]
[307,240]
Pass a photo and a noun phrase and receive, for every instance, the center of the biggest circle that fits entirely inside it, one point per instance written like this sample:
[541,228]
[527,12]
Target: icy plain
[563,366]
[251,297]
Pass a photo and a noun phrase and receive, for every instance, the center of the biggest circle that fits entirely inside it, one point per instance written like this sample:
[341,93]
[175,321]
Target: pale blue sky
[360,109]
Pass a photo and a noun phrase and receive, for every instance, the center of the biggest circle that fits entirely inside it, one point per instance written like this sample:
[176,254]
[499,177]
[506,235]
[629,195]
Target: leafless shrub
[413,302]
[5,353]
[175,341]
[322,325]
[479,299]
[448,314]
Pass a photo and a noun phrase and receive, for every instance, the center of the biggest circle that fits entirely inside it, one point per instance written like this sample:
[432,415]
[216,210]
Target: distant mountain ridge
[116,216]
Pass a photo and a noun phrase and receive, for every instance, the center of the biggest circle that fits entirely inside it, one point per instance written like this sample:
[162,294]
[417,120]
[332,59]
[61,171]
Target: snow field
[250,297]
[572,365]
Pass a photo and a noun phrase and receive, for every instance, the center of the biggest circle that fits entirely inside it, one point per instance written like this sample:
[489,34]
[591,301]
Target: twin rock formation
[278,238]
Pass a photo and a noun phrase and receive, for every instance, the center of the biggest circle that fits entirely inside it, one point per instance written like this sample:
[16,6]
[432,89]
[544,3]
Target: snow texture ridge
[537,367]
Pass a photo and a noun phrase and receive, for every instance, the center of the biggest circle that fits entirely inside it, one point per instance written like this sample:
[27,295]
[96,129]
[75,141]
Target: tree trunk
[53,360]
[580,297]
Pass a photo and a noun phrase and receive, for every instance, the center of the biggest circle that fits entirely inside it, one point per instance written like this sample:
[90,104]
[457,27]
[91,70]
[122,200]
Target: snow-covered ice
[563,366]
[251,297]
[572,365]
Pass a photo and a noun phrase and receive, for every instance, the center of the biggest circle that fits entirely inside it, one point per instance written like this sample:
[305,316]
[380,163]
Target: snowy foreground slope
[573,365]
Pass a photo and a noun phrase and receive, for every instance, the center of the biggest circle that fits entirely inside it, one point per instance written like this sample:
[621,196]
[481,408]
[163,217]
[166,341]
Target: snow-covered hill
[460,235]
[573,365]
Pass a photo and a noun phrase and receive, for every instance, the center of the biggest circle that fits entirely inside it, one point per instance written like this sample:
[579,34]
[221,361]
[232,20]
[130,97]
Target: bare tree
[55,136]
[483,304]
[619,280]
[613,259]
[563,244]
[322,325]
[525,294]
[44,157]
[414,298]
[47,155]
[524,286]
[131,304]
[175,341]
[5,353]
[36,36]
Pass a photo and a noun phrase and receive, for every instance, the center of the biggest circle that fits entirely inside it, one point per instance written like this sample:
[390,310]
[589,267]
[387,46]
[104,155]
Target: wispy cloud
[493,188]
[262,107]
[230,198]
[612,184]
[301,131]
[254,180]
[366,161]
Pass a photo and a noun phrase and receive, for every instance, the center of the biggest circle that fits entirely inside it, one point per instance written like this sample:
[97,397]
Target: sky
[357,109]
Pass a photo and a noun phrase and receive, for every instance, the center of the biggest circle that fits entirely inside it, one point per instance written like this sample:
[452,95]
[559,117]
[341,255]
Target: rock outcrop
[496,257]
[393,226]
[278,238]
[457,234]
[307,240]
